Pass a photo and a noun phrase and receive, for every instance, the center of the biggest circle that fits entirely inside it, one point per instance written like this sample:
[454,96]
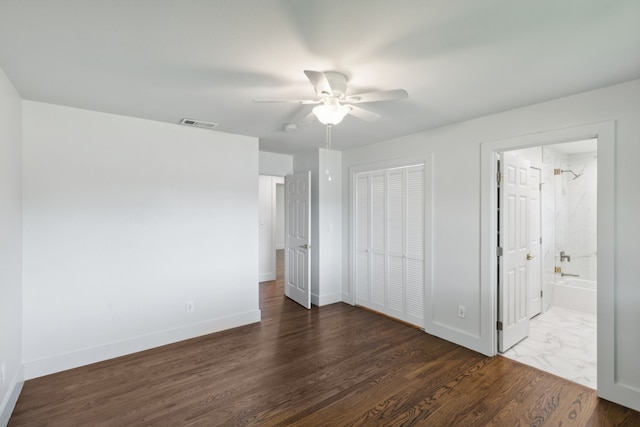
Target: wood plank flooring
[335,365]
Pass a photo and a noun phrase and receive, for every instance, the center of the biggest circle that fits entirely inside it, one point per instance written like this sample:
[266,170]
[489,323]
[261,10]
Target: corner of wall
[11,279]
[9,403]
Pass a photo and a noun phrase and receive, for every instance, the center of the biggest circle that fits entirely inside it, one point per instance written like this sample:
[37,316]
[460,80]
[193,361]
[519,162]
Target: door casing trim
[605,132]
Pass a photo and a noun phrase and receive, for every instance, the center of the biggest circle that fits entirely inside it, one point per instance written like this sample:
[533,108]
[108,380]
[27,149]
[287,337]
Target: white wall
[326,224]
[275,164]
[10,246]
[456,215]
[125,220]
[330,228]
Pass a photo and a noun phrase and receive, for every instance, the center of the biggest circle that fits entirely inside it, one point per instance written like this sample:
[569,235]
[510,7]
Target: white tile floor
[561,342]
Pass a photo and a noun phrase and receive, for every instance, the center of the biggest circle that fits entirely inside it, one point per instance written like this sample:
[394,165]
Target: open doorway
[560,278]
[271,219]
[279,218]
[607,385]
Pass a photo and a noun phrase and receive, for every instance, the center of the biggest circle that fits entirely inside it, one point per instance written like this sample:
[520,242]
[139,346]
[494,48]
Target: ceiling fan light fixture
[331,113]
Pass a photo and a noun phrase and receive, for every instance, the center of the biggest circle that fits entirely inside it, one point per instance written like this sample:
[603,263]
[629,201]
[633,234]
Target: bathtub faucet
[563,257]
[570,275]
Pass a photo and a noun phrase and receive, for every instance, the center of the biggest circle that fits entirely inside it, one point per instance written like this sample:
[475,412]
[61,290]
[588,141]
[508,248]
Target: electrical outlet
[462,311]
[189,306]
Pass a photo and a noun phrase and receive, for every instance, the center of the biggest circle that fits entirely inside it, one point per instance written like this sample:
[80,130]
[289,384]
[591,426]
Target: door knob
[530,257]
[305,246]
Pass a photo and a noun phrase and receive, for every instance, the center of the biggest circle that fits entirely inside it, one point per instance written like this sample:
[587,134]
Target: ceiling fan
[334,104]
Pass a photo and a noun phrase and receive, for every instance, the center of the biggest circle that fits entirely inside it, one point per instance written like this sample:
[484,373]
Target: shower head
[575,175]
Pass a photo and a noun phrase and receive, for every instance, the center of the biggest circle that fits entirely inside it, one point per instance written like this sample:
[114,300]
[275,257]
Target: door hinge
[499,251]
[499,325]
[557,269]
[540,294]
[499,177]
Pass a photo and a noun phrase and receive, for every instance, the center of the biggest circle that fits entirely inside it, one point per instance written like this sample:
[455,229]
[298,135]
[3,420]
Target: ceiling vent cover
[198,123]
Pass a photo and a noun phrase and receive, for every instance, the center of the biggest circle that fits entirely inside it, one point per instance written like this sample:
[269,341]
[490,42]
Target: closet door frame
[426,160]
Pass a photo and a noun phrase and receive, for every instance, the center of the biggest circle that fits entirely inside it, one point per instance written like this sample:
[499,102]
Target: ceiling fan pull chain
[328,156]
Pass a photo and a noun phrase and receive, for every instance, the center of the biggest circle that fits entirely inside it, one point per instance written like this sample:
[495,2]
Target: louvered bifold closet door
[415,245]
[377,248]
[390,212]
[395,304]
[363,288]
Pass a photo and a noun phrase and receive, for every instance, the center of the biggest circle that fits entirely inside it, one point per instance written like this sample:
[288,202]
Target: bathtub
[576,294]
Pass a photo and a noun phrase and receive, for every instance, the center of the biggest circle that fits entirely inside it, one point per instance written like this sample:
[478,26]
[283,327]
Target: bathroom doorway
[559,276]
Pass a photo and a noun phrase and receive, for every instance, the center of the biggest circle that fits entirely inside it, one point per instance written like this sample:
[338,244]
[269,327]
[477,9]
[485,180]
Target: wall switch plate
[189,306]
[462,311]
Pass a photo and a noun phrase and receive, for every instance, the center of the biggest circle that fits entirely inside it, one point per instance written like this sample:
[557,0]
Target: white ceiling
[208,59]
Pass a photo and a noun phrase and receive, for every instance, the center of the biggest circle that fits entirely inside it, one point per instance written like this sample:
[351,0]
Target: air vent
[198,123]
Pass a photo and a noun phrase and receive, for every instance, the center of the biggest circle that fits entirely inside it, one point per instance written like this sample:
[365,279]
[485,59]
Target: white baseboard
[10,400]
[266,277]
[326,299]
[62,362]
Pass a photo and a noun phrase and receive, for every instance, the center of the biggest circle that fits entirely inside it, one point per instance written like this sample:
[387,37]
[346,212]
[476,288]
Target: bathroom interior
[562,335]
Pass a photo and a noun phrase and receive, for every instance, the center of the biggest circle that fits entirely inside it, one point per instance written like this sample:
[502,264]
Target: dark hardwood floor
[335,365]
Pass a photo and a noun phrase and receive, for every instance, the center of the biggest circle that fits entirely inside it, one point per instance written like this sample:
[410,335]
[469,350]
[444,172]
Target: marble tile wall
[581,230]
[561,184]
[569,215]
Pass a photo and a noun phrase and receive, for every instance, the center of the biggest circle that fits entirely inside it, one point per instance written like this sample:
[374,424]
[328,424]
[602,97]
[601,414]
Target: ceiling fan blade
[289,101]
[320,82]
[361,113]
[309,118]
[385,95]
[303,116]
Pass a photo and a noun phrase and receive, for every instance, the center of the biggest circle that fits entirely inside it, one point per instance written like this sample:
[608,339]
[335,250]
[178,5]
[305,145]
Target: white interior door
[514,239]
[535,234]
[297,263]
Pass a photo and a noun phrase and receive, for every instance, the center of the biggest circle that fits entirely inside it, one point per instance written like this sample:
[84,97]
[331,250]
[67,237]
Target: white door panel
[395,243]
[297,243]
[378,231]
[513,288]
[415,293]
[395,287]
[377,281]
[363,291]
[415,245]
[535,234]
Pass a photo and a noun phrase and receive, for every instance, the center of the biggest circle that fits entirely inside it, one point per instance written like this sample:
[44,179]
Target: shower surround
[582,207]
[570,224]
